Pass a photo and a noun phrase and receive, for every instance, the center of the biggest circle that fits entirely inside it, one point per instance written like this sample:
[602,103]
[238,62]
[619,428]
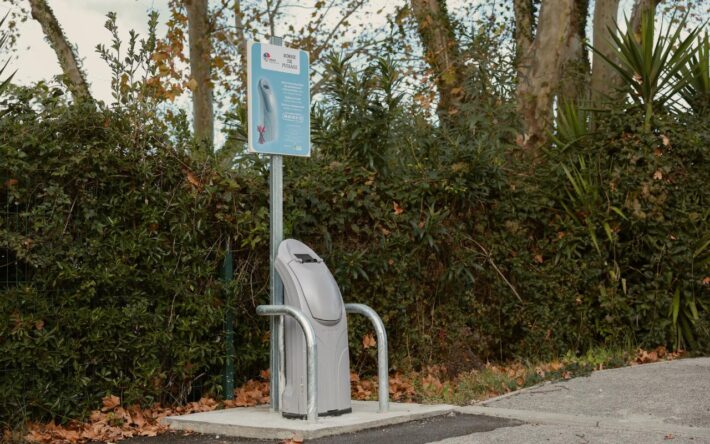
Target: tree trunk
[523,32]
[574,85]
[640,8]
[200,71]
[540,71]
[442,54]
[76,81]
[604,78]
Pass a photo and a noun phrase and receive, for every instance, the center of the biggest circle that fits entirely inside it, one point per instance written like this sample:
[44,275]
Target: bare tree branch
[76,81]
[333,31]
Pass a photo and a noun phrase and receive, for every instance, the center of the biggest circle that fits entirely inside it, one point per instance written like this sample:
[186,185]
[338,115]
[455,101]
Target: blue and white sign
[279,100]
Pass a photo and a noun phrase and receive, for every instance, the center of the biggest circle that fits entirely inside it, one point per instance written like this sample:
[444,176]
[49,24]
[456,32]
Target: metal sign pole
[275,284]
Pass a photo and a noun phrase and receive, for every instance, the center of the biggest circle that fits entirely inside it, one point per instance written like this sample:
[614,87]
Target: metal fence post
[227,277]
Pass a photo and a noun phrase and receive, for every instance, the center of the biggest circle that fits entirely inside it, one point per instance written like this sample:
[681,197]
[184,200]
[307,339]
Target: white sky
[83,23]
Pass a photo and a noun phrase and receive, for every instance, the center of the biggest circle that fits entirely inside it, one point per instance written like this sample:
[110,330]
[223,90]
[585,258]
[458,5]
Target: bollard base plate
[261,423]
[288,415]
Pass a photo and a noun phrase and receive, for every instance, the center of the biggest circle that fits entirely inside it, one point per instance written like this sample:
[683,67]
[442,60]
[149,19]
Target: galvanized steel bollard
[382,361]
[311,353]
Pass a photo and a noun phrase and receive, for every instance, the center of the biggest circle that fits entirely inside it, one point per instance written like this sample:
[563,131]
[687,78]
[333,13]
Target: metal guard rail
[382,361]
[311,353]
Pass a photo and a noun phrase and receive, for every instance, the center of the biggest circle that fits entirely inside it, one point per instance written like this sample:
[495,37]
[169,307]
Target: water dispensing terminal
[310,363]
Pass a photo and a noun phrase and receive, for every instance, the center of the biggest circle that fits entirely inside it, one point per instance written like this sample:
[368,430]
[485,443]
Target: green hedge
[115,234]
[113,239]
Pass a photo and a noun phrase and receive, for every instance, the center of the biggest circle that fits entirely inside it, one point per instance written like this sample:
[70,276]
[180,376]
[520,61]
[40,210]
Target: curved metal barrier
[311,353]
[382,360]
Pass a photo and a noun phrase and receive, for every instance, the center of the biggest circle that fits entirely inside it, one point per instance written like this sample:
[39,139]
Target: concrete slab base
[260,423]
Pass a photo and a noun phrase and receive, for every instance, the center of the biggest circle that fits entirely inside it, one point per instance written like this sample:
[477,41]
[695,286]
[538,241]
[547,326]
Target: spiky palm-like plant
[650,63]
[696,74]
[3,41]
[571,125]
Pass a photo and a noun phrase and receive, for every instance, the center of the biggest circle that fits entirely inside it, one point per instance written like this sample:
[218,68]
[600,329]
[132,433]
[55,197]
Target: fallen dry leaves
[252,393]
[368,341]
[113,422]
[401,387]
[658,354]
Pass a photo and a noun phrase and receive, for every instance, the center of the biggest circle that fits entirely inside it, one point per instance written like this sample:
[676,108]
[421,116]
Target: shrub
[112,238]
[610,236]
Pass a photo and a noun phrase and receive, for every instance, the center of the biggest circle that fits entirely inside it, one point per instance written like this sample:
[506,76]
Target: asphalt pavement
[665,402]
[660,402]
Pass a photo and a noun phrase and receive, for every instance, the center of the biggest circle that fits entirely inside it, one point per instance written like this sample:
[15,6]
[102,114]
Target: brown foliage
[113,422]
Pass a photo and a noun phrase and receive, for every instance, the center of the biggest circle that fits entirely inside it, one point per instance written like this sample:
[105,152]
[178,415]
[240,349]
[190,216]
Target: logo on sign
[279,58]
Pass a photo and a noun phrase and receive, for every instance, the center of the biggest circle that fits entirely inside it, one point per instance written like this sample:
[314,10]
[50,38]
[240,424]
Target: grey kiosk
[316,362]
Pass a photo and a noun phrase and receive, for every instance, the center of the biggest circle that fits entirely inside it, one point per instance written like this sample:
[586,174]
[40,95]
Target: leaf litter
[114,422]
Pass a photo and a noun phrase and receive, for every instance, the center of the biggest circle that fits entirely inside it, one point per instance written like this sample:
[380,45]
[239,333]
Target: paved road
[667,402]
[662,402]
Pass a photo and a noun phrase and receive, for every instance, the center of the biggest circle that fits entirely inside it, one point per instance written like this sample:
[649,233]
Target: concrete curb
[559,381]
[639,424]
[513,393]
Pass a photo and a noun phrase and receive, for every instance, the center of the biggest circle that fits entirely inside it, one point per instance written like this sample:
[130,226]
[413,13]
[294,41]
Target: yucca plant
[585,200]
[571,125]
[3,41]
[684,313]
[696,75]
[650,64]
[584,197]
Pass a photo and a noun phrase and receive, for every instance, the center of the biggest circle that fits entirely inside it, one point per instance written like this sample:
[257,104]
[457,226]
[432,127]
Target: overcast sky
[83,22]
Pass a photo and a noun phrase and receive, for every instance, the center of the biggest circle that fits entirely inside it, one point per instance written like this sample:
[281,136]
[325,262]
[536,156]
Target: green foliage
[361,107]
[130,71]
[114,235]
[571,125]
[111,240]
[3,40]
[650,64]
[696,78]
[642,201]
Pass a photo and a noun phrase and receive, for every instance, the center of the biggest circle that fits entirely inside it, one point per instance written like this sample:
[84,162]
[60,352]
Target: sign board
[279,99]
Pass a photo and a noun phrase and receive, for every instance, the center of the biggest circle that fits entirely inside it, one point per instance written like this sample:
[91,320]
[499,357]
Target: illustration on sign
[278,95]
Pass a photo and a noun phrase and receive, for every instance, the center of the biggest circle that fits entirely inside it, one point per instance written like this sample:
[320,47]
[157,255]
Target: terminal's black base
[328,413]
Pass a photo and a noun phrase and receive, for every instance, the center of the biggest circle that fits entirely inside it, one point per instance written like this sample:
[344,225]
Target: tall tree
[441,52]
[198,24]
[540,65]
[75,79]
[640,8]
[604,78]
[574,83]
